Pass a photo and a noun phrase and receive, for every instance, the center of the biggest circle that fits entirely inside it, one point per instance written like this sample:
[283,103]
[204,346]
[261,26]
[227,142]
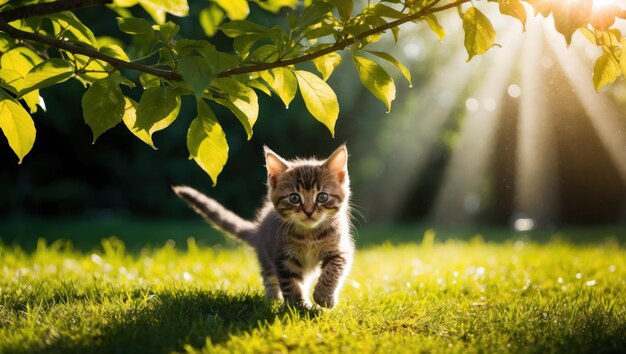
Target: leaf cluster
[48,47]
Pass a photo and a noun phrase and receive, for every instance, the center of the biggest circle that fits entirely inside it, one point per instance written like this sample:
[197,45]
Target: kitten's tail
[220,217]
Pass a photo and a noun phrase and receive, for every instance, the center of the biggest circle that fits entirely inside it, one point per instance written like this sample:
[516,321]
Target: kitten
[303,228]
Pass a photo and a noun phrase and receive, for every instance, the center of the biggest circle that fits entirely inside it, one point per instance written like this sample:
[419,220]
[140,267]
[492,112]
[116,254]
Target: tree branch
[49,8]
[75,49]
[343,44]
[174,76]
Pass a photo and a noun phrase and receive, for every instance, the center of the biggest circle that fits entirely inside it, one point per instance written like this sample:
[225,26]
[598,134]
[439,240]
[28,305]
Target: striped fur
[294,240]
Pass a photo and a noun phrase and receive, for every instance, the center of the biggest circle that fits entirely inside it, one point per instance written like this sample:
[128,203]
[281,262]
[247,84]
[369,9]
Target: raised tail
[220,217]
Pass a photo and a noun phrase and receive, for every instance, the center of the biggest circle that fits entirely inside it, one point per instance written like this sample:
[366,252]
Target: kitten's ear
[275,165]
[337,162]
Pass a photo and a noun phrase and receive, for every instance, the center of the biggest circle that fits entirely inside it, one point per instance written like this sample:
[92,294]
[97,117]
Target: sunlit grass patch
[453,296]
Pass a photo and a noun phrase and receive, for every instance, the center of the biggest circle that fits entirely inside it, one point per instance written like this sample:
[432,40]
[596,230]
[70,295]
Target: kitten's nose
[308,213]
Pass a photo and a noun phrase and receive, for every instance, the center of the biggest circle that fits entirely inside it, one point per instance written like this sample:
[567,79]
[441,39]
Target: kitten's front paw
[323,299]
[301,304]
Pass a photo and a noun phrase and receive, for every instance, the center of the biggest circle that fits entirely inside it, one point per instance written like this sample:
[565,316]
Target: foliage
[452,296]
[46,44]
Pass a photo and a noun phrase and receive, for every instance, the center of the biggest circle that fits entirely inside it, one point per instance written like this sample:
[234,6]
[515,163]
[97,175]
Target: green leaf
[130,120]
[479,33]
[235,9]
[385,11]
[396,33]
[319,99]
[603,17]
[326,64]
[248,104]
[210,18]
[156,12]
[376,79]
[245,105]
[275,5]
[67,22]
[369,22]
[125,3]
[123,80]
[195,71]
[234,29]
[189,46]
[135,25]
[434,25]
[542,7]
[16,63]
[168,30]
[570,15]
[260,86]
[344,7]
[11,80]
[178,8]
[103,106]
[388,57]
[322,31]
[313,14]
[243,43]
[217,61]
[283,82]
[115,51]
[17,126]
[32,100]
[47,73]
[229,86]
[158,108]
[605,71]
[267,53]
[148,81]
[20,59]
[241,116]
[6,42]
[207,143]
[515,9]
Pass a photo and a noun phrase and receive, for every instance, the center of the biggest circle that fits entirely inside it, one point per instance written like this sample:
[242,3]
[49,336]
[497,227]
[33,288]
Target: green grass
[532,293]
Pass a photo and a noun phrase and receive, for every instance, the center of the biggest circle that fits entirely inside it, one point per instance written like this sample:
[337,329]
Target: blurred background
[516,139]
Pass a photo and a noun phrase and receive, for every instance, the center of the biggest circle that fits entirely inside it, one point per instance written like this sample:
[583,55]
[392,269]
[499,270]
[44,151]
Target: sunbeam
[411,147]
[604,116]
[536,182]
[459,199]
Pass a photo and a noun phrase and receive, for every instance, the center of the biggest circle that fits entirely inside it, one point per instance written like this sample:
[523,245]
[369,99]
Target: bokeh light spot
[514,90]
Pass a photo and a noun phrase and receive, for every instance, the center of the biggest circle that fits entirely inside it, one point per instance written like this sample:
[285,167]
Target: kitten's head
[308,193]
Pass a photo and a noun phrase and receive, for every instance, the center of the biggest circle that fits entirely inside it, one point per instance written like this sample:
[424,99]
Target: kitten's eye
[322,197]
[294,198]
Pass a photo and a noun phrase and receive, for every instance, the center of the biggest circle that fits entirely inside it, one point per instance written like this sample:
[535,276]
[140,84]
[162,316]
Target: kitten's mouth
[310,223]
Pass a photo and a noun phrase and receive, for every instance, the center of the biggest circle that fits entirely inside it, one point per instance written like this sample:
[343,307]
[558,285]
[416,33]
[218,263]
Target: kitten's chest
[308,255]
[310,248]
[310,259]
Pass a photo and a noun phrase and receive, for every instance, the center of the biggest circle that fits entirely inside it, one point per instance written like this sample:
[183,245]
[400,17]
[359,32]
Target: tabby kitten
[303,228]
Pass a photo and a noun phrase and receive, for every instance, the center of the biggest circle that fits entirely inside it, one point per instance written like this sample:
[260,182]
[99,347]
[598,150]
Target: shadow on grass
[596,333]
[171,321]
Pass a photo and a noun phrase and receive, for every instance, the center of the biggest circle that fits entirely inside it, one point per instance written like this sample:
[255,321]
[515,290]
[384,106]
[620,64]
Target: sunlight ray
[459,199]
[604,116]
[411,147]
[536,182]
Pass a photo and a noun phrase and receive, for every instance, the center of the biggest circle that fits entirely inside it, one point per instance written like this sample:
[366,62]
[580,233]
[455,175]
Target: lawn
[426,291]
